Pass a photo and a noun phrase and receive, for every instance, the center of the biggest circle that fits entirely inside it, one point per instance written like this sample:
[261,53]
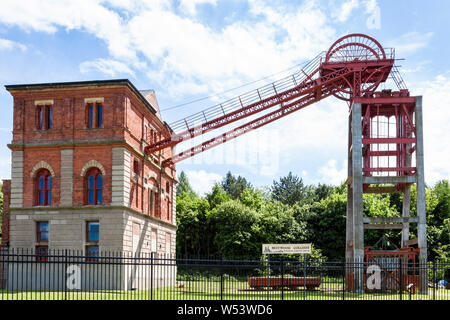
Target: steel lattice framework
[385,130]
[352,68]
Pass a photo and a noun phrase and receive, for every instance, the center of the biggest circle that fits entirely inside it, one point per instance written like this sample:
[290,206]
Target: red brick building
[80,179]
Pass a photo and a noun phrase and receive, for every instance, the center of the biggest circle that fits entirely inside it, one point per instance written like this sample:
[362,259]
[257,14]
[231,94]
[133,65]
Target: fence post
[151,276]
[343,279]
[267,257]
[434,279]
[401,279]
[304,277]
[221,278]
[282,278]
[65,274]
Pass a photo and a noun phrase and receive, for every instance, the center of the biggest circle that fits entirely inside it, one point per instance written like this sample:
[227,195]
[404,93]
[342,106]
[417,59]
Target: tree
[438,220]
[380,205]
[254,199]
[322,191]
[192,225]
[289,190]
[276,224]
[217,196]
[184,185]
[235,234]
[442,209]
[235,219]
[234,186]
[325,224]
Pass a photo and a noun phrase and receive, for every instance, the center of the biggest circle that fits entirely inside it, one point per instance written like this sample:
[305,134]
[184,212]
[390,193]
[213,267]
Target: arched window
[43,188]
[94,186]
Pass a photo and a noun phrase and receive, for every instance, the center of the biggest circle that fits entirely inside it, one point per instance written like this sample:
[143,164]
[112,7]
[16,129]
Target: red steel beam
[407,169]
[392,153]
[303,89]
[388,140]
[232,134]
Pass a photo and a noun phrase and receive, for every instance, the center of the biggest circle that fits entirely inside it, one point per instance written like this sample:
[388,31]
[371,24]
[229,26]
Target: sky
[198,53]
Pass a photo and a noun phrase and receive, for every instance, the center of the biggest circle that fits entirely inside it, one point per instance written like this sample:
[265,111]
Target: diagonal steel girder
[306,87]
[259,122]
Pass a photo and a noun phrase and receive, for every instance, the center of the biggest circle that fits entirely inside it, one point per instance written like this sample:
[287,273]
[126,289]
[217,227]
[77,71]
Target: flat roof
[74,84]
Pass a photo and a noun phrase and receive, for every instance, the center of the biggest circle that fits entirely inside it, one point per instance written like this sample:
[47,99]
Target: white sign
[286,248]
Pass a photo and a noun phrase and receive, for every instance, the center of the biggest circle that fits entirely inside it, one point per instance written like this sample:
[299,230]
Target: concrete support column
[357,183]
[406,213]
[421,213]
[406,196]
[406,202]
[349,221]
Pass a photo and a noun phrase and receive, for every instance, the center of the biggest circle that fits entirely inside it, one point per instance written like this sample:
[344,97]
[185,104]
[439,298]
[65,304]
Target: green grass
[232,290]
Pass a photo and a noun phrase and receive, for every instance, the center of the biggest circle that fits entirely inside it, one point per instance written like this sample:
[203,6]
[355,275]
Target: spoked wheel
[355,48]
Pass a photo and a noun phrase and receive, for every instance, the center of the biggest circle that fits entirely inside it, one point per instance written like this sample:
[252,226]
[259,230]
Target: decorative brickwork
[92,164]
[41,165]
[70,148]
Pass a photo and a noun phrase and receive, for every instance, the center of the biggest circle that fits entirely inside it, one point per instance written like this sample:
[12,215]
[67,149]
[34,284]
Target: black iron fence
[70,275]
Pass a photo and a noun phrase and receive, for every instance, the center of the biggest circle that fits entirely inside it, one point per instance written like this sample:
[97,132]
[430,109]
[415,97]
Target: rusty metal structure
[384,131]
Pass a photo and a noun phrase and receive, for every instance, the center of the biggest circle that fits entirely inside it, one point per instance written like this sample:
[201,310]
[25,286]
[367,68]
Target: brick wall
[6,190]
[84,154]
[69,148]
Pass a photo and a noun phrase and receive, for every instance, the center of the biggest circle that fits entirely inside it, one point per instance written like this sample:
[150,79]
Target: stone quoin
[80,179]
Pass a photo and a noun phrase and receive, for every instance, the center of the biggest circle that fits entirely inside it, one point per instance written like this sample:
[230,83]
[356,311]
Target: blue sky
[188,50]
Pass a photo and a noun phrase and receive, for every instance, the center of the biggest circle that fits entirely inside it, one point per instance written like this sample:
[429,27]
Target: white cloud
[6,44]
[410,42]
[374,12]
[202,181]
[345,10]
[190,6]
[107,66]
[51,15]
[371,6]
[180,50]
[436,121]
[330,174]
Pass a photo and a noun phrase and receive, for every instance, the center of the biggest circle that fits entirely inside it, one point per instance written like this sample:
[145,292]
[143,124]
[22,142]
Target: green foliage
[234,186]
[289,190]
[322,191]
[325,224]
[378,205]
[234,219]
[183,185]
[276,224]
[217,196]
[253,199]
[192,215]
[235,234]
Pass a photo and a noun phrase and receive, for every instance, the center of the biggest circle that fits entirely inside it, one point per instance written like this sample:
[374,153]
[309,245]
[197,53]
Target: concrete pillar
[357,194]
[349,218]
[406,197]
[421,214]
[406,213]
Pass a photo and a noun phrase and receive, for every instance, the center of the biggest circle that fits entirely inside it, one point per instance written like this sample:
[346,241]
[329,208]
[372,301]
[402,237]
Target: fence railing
[70,275]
